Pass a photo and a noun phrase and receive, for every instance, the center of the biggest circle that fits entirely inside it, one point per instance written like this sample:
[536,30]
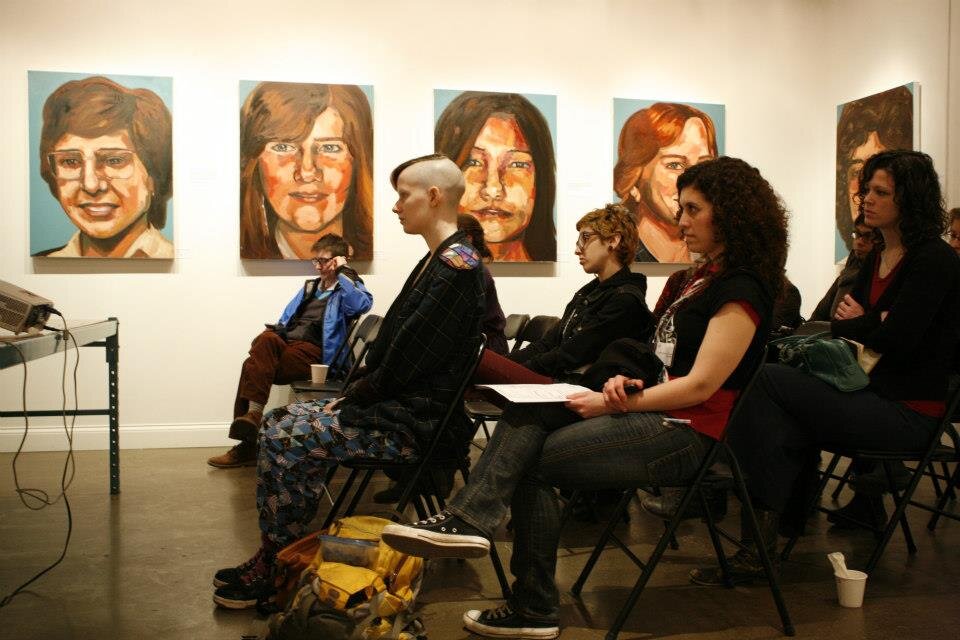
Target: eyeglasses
[863,235]
[321,261]
[953,235]
[585,237]
[110,164]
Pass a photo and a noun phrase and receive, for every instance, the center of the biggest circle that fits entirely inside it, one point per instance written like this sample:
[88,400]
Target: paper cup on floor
[318,373]
[850,588]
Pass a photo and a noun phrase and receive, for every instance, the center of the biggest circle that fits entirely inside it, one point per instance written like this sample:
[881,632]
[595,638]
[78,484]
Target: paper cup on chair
[318,373]
[850,588]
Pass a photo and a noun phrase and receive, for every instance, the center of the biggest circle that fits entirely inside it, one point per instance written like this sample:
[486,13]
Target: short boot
[745,565]
[665,505]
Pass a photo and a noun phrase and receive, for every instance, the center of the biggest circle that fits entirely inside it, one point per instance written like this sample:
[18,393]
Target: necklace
[889,259]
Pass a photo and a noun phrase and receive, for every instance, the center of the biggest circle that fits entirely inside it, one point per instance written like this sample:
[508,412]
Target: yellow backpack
[354,588]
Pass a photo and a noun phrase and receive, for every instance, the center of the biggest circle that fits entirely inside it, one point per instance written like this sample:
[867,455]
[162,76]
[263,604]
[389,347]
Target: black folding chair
[515,322]
[935,452]
[362,339]
[727,472]
[480,411]
[420,488]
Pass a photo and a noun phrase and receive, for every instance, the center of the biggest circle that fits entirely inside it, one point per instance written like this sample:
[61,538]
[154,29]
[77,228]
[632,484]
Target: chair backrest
[536,328]
[515,324]
[363,338]
[340,363]
[457,400]
[735,411]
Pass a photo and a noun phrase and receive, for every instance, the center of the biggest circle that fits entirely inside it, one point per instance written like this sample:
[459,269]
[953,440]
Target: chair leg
[812,506]
[654,558]
[897,518]
[341,497]
[498,569]
[359,493]
[942,502]
[602,542]
[761,547]
[844,480]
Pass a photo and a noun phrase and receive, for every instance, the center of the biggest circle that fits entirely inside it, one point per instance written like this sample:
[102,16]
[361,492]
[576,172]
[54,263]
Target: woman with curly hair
[710,340]
[904,306]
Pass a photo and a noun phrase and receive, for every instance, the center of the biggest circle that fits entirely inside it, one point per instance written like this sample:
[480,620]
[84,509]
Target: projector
[21,310]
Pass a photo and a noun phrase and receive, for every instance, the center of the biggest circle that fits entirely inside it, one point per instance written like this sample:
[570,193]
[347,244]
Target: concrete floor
[140,565]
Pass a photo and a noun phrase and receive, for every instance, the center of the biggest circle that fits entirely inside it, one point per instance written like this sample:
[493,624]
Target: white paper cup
[318,373]
[850,589]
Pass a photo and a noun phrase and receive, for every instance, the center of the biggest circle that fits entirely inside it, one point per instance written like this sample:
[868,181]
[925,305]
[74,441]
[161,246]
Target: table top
[48,343]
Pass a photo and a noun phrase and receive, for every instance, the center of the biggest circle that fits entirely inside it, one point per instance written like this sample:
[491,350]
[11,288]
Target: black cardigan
[918,340]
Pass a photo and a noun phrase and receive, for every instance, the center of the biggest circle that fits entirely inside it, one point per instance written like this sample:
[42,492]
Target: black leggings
[789,415]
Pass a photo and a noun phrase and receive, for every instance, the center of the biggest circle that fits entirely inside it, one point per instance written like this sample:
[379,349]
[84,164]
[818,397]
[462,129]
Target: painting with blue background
[49,225]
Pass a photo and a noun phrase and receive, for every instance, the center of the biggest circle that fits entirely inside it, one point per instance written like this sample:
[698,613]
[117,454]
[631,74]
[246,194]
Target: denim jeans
[533,450]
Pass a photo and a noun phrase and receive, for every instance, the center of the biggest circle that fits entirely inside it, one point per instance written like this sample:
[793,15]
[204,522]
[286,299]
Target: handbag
[833,360]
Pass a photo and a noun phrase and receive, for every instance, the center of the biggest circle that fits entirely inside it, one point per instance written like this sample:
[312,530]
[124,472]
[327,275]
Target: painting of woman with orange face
[880,122]
[105,154]
[504,145]
[657,141]
[306,165]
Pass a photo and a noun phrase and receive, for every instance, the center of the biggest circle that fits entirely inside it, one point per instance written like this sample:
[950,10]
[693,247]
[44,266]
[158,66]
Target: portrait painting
[504,144]
[656,142]
[101,166]
[883,121]
[306,168]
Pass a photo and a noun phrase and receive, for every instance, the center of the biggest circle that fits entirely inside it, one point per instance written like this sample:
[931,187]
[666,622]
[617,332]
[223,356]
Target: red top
[710,416]
[877,284]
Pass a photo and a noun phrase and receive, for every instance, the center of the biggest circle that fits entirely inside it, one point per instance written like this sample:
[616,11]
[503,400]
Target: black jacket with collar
[918,339]
[599,313]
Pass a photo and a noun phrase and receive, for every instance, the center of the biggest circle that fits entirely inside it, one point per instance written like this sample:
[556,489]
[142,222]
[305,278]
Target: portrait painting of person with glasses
[306,169]
[656,142]
[105,154]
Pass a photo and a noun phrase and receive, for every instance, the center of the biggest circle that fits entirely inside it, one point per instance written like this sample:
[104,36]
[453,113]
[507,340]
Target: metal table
[93,334]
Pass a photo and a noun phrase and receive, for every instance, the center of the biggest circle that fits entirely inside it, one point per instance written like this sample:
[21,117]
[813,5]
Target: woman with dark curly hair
[904,306]
[710,340]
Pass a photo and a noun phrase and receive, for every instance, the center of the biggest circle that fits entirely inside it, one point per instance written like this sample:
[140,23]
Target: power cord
[40,497]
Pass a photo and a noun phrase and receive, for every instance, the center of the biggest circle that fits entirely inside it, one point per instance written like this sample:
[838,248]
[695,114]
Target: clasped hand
[848,308]
[613,398]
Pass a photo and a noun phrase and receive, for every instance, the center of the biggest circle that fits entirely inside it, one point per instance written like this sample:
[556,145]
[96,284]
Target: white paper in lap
[527,393]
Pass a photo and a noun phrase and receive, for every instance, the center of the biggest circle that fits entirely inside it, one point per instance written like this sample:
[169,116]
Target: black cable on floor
[69,464]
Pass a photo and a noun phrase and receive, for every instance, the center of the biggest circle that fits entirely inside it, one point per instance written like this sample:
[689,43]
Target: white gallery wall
[779,66]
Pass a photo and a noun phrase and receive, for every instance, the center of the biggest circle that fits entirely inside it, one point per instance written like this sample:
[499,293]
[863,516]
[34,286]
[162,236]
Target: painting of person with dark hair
[105,153]
[306,168]
[504,143]
[657,141]
[883,121]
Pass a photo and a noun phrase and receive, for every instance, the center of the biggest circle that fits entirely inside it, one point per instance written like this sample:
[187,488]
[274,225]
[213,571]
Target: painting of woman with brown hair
[656,144]
[306,165]
[105,155]
[864,127]
[504,145]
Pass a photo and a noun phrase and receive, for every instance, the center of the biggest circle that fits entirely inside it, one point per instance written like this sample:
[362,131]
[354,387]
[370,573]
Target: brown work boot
[243,454]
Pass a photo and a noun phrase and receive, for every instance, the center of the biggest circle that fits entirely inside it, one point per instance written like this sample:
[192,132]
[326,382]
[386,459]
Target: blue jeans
[533,450]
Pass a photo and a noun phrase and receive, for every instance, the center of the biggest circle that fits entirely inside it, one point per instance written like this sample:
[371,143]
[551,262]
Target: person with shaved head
[390,410]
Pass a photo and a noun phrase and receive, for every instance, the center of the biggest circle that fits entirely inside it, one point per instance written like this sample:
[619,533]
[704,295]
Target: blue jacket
[348,300]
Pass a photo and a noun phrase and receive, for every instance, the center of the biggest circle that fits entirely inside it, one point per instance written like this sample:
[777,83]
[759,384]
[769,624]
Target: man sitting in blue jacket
[311,330]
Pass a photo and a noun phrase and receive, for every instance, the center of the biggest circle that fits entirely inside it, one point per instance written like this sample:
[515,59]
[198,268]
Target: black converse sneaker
[441,536]
[504,622]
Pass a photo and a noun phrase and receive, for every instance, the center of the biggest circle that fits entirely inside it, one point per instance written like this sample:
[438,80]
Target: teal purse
[833,360]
